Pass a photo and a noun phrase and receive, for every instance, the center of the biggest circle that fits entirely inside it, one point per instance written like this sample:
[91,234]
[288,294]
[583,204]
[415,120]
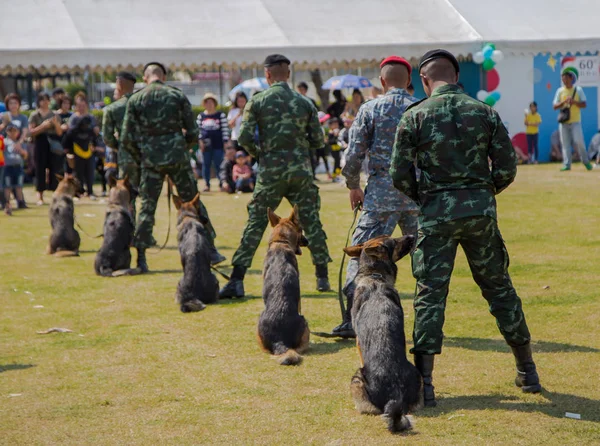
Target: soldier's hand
[357,197]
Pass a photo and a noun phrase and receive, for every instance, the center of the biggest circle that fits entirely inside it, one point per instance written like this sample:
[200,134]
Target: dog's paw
[192,306]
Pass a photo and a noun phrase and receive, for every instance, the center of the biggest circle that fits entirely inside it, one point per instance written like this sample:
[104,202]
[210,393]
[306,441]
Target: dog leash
[85,232]
[350,232]
[222,274]
[169,195]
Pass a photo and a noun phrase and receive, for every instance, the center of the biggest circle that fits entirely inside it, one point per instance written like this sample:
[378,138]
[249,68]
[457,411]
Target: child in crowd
[321,153]
[333,141]
[13,155]
[532,128]
[242,174]
[80,141]
[226,171]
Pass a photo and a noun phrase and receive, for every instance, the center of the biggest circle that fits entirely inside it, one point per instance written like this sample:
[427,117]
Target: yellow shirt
[562,94]
[532,119]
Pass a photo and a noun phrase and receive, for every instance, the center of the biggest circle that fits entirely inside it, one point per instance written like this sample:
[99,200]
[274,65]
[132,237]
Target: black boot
[345,330]
[527,378]
[141,261]
[235,286]
[216,257]
[424,364]
[322,278]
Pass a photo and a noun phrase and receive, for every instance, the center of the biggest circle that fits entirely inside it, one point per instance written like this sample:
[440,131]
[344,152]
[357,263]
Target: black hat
[276,59]
[126,75]
[156,63]
[58,90]
[438,54]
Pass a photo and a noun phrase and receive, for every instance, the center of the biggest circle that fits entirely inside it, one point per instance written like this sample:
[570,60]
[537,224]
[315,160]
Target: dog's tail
[397,420]
[288,357]
[66,254]
[126,272]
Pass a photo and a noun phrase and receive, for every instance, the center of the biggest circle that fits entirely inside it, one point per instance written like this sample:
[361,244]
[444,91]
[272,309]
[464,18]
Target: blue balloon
[487,51]
[496,95]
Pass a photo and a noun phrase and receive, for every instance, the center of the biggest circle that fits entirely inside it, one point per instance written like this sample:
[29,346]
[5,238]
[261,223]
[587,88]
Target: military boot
[235,286]
[216,257]
[527,378]
[345,330]
[141,261]
[322,278]
[424,364]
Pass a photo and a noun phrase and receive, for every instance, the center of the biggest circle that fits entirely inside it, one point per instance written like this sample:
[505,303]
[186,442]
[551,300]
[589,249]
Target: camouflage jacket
[112,122]
[453,139]
[288,128]
[372,134]
[152,127]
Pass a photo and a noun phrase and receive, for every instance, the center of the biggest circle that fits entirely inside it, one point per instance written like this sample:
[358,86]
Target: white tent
[60,35]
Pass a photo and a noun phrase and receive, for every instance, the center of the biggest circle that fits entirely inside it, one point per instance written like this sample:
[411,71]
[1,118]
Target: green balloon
[490,101]
[488,64]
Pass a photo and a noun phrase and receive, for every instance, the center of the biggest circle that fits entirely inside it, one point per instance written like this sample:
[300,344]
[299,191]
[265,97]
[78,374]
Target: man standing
[372,134]
[289,129]
[302,88]
[152,134]
[57,96]
[451,136]
[571,98]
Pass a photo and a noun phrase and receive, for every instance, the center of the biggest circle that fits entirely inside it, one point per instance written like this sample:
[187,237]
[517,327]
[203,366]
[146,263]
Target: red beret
[396,60]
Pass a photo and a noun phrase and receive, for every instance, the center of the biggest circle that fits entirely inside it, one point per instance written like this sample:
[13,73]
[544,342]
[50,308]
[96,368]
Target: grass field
[137,371]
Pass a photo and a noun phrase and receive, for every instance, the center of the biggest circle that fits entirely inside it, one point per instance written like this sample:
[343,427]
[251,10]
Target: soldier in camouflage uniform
[289,129]
[452,136]
[152,135]
[383,207]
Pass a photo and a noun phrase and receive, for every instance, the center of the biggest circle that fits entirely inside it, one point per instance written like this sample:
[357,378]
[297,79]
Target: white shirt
[237,114]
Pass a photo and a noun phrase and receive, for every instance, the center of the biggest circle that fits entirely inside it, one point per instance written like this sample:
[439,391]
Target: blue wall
[547,81]
[470,77]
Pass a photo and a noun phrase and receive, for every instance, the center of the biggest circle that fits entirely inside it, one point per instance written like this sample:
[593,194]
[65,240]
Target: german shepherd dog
[114,258]
[198,286]
[64,240]
[386,383]
[282,330]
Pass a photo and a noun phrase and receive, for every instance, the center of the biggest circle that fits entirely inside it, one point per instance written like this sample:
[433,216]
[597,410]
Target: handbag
[56,146]
[565,113]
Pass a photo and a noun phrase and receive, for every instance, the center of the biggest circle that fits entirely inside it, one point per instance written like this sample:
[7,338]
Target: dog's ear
[274,219]
[177,202]
[196,200]
[294,216]
[402,246]
[59,177]
[112,181]
[302,242]
[377,251]
[354,251]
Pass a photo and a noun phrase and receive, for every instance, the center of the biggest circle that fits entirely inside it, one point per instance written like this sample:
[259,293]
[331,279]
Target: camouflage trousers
[373,224]
[433,261]
[150,188]
[132,171]
[299,191]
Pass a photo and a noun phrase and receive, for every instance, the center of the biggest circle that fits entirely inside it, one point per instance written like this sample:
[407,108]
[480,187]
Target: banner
[586,68]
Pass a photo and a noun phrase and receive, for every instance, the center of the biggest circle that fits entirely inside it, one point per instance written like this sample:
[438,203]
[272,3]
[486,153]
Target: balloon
[488,65]
[492,79]
[487,51]
[482,95]
[497,56]
[490,101]
[496,95]
[478,58]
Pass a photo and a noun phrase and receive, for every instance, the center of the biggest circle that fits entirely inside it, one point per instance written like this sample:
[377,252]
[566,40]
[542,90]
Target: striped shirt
[214,130]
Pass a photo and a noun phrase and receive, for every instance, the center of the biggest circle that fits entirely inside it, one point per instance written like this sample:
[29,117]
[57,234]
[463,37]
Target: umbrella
[249,86]
[346,81]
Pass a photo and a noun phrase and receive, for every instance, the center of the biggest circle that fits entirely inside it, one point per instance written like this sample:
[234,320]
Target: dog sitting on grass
[64,240]
[198,286]
[386,383]
[282,330]
[114,258]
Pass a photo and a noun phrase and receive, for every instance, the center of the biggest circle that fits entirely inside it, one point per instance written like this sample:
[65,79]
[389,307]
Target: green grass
[137,371]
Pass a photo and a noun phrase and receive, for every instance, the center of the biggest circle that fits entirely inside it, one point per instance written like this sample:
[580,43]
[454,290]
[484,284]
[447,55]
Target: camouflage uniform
[117,158]
[452,136]
[372,134]
[289,129]
[152,136]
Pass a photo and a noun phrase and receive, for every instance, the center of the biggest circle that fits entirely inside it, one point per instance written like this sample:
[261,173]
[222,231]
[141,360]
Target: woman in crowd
[64,112]
[14,116]
[45,129]
[336,109]
[214,134]
[352,107]
[234,117]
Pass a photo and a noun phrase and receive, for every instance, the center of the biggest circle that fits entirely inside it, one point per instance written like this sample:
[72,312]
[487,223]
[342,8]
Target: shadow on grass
[329,348]
[237,300]
[164,271]
[498,345]
[553,404]
[9,367]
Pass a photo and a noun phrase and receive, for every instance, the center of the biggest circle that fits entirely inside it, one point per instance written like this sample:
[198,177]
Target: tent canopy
[61,35]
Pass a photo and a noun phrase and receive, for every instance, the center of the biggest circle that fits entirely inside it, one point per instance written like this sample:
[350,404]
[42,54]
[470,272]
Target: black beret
[438,54]
[126,75]
[276,59]
[156,63]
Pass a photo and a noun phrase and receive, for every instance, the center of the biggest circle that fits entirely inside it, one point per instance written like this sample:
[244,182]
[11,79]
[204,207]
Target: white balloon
[482,95]
[478,58]
[497,56]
